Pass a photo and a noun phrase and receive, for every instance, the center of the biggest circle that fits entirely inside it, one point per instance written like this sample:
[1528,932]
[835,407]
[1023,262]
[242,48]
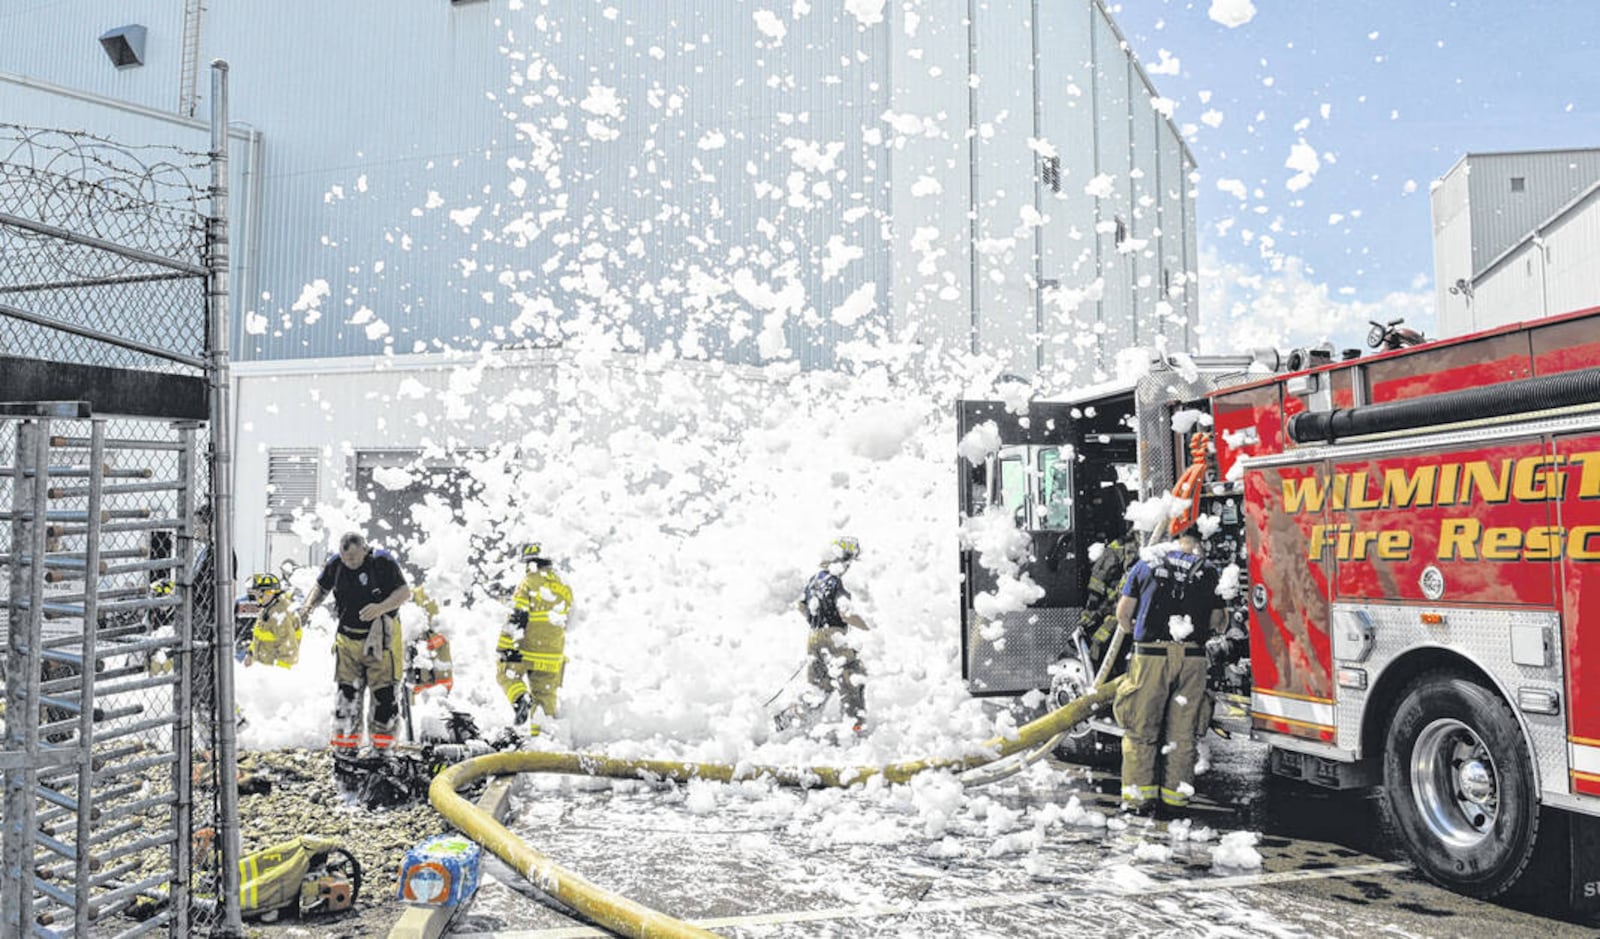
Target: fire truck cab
[1418,537]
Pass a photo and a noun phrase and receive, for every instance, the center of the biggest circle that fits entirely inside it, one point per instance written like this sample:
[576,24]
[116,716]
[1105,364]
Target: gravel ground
[301,798]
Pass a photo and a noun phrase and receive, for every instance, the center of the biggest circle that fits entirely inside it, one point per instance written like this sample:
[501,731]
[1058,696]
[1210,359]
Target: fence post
[217,311]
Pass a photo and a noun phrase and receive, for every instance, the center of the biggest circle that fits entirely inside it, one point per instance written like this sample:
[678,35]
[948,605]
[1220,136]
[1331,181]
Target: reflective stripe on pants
[1158,707]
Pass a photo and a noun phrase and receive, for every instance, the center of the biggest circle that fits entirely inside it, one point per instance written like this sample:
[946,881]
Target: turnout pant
[837,669]
[1159,708]
[537,675]
[365,665]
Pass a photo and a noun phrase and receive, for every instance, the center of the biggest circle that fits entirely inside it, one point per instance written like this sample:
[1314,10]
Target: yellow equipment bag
[305,875]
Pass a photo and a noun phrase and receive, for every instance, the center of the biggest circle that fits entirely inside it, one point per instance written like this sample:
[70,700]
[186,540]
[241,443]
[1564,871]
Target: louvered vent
[291,484]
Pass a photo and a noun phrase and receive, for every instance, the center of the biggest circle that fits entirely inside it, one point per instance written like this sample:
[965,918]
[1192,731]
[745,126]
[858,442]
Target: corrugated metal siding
[1112,139]
[1071,345]
[1449,205]
[1006,178]
[1501,217]
[1170,286]
[684,208]
[1532,282]
[929,183]
[59,42]
[1572,249]
[1144,180]
[378,123]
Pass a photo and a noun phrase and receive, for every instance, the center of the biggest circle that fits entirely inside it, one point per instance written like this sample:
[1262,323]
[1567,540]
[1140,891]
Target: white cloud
[1243,308]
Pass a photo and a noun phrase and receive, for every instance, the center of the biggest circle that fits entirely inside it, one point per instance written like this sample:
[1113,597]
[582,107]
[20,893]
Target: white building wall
[1452,251]
[1112,142]
[342,407]
[930,182]
[1572,257]
[1069,257]
[59,43]
[1502,215]
[34,103]
[1551,271]
[399,163]
[1005,179]
[1484,210]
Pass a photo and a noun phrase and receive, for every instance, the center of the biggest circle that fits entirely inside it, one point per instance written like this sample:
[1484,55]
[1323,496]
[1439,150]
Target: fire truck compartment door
[1019,467]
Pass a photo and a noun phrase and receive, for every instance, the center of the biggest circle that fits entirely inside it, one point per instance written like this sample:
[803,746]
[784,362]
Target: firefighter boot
[522,707]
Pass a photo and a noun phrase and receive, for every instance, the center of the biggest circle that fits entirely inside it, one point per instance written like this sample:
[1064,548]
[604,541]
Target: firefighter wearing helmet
[532,643]
[428,663]
[1170,606]
[157,661]
[275,635]
[835,666]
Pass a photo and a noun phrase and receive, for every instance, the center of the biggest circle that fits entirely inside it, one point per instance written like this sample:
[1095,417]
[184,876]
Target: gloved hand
[511,655]
[519,618]
[1217,649]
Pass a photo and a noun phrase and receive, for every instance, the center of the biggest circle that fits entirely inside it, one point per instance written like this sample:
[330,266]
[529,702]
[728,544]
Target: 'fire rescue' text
[1541,478]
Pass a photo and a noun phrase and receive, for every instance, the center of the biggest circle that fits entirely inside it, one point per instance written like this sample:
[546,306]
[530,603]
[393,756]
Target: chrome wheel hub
[1454,783]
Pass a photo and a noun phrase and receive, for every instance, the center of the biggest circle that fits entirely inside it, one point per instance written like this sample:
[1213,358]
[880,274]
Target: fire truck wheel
[1458,784]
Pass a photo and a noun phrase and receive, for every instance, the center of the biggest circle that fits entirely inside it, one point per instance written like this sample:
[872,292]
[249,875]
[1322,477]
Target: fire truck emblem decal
[1258,596]
[1431,582]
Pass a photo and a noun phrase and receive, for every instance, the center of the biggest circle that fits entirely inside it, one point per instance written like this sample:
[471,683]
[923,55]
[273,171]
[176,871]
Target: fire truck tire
[1458,785]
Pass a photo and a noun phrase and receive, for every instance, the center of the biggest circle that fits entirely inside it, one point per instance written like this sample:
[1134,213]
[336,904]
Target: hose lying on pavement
[622,915]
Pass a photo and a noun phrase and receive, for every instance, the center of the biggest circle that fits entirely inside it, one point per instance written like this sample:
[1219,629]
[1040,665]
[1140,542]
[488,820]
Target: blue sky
[1409,86]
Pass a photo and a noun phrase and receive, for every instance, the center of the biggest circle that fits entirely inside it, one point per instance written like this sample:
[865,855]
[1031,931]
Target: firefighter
[275,634]
[368,587]
[159,661]
[531,644]
[827,606]
[1105,585]
[1171,607]
[428,658]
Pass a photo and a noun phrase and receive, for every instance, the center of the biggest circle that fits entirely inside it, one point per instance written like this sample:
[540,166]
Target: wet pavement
[1033,855]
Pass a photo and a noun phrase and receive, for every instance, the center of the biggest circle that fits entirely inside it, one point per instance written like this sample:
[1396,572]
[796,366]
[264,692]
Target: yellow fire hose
[622,915]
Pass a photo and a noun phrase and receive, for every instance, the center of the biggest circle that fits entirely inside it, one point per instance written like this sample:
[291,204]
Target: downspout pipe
[1545,393]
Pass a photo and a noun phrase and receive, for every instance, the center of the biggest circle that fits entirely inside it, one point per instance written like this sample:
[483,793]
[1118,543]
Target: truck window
[1055,488]
[1014,487]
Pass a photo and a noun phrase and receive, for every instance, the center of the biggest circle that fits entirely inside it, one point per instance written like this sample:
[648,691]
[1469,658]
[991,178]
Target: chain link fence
[118,727]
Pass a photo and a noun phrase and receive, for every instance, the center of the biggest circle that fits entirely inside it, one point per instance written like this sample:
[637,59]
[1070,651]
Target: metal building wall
[1452,251]
[1502,217]
[1005,179]
[620,231]
[926,147]
[59,43]
[399,156]
[1073,348]
[33,103]
[1552,275]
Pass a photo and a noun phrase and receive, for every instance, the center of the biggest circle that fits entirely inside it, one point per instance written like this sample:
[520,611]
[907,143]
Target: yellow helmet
[845,548]
[161,588]
[263,584]
[533,554]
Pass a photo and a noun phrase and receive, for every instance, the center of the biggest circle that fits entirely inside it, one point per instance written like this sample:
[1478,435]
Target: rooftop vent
[125,45]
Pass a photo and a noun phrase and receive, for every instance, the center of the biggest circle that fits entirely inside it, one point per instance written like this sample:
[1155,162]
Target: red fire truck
[1418,538]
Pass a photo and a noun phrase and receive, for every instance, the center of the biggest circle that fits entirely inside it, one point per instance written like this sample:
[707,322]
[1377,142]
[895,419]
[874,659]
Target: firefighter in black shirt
[826,605]
[1171,607]
[367,587]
